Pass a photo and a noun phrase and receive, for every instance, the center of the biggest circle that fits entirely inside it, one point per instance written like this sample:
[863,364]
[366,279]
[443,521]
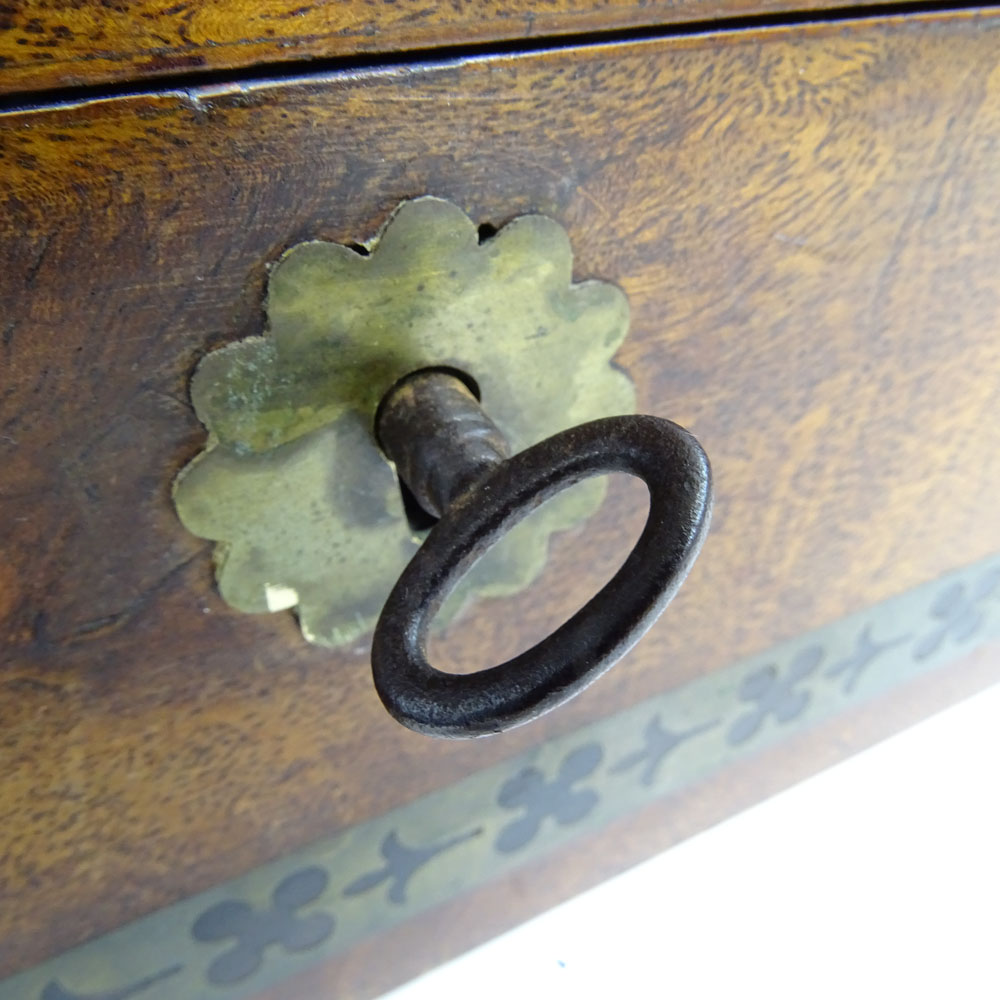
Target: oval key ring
[675,469]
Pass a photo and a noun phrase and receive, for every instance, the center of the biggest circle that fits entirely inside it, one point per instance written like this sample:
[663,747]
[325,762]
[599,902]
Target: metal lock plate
[306,511]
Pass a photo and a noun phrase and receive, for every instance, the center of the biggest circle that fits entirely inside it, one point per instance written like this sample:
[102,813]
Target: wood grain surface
[65,43]
[807,227]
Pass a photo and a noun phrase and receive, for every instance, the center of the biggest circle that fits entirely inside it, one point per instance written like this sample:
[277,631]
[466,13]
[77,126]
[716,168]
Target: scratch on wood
[98,628]
[36,264]
[32,684]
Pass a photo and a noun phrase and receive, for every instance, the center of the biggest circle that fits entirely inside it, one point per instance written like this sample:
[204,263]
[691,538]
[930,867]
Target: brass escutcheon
[306,511]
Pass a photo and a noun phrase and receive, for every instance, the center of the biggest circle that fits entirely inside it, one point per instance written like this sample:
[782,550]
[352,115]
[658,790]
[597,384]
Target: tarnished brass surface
[306,511]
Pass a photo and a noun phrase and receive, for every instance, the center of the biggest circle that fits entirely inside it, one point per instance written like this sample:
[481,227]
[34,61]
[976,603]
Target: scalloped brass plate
[305,510]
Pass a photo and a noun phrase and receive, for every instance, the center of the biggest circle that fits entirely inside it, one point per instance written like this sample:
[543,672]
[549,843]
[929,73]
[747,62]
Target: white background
[877,878]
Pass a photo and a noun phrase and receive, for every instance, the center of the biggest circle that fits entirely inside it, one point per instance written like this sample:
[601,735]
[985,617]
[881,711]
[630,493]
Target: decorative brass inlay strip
[280,919]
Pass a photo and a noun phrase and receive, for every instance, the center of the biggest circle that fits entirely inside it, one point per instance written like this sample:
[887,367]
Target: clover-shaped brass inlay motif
[306,511]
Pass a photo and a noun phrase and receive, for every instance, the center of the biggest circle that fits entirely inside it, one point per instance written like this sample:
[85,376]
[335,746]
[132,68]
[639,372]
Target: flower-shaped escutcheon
[306,511]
